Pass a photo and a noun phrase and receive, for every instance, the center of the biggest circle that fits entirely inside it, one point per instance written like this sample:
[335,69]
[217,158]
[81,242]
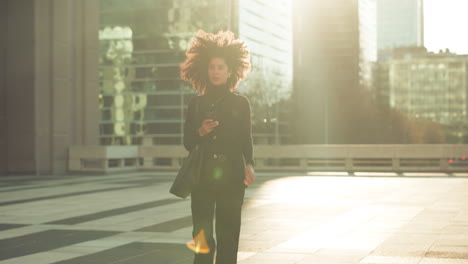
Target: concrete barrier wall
[350,158]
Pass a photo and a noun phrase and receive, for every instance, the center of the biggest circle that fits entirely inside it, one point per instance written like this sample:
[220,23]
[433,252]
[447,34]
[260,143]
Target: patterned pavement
[287,218]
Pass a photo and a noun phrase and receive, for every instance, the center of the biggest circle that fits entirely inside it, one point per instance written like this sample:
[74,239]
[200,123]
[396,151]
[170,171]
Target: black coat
[232,137]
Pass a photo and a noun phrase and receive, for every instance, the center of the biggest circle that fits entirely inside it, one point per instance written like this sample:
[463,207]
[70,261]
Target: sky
[446,25]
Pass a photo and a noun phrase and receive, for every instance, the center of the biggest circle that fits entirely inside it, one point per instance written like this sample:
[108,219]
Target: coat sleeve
[191,136]
[247,142]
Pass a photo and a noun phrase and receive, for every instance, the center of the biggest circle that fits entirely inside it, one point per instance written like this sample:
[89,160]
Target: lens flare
[198,244]
[218,173]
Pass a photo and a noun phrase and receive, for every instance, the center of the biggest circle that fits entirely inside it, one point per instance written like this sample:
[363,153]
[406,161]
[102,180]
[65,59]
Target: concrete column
[20,92]
[51,82]
[3,113]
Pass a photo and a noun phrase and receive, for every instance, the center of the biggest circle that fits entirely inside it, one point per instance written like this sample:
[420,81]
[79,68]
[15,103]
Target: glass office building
[400,23]
[430,88]
[142,43]
[427,87]
[266,27]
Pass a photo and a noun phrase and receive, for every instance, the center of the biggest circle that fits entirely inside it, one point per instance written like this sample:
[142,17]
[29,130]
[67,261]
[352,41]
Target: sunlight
[425,174]
[326,234]
[294,190]
[444,25]
[291,190]
[382,174]
[327,173]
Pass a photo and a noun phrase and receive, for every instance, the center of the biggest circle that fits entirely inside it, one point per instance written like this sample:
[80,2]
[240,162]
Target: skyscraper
[334,42]
[400,23]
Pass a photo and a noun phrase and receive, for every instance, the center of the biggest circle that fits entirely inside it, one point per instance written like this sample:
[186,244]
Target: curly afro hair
[204,47]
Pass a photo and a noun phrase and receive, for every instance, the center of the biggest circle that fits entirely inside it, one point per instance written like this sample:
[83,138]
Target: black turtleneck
[215,92]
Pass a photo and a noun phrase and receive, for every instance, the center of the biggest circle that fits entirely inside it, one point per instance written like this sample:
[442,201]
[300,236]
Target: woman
[220,120]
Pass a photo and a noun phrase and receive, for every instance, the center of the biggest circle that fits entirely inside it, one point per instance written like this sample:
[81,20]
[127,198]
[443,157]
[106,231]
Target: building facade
[428,87]
[142,44]
[400,23]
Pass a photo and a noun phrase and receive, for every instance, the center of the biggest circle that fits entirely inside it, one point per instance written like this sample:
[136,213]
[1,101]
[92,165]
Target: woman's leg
[203,204]
[228,221]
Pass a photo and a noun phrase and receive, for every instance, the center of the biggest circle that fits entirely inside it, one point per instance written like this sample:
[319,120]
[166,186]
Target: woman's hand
[207,126]
[249,174]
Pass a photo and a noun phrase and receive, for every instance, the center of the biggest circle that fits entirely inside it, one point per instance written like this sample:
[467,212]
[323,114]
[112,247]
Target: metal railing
[349,158]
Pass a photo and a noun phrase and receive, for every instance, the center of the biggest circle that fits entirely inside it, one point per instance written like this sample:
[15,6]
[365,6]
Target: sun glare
[445,23]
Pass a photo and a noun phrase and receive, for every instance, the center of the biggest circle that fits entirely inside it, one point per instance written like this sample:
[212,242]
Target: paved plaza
[287,218]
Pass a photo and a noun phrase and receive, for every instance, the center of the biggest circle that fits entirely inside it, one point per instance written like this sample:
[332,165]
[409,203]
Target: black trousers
[224,202]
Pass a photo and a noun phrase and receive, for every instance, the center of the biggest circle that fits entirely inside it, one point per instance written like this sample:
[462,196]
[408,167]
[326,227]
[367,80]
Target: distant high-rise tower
[400,23]
[334,43]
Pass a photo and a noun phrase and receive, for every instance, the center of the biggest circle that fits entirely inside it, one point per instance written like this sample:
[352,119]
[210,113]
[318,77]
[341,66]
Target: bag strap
[197,110]
[197,116]
[197,107]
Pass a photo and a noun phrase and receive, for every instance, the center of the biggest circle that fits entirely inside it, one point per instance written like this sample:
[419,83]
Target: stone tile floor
[287,218]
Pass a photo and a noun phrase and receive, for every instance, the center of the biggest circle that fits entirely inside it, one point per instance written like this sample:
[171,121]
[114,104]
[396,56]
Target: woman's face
[218,71]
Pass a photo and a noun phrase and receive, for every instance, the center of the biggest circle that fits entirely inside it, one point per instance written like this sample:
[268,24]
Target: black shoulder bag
[189,173]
